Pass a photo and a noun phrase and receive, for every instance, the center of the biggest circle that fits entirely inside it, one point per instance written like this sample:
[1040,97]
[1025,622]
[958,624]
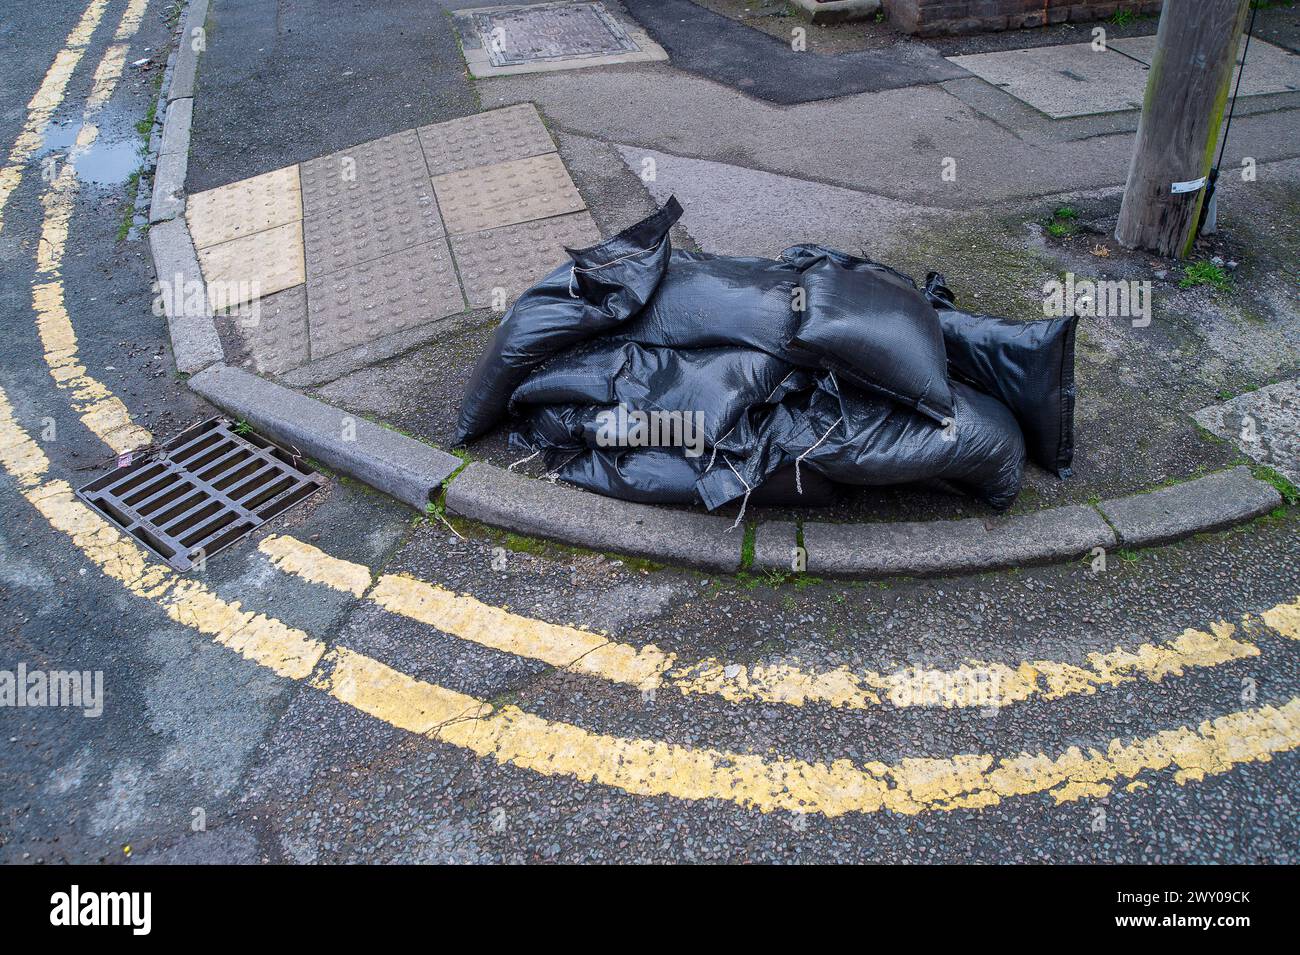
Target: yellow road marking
[47,99]
[972,684]
[100,410]
[1285,619]
[640,766]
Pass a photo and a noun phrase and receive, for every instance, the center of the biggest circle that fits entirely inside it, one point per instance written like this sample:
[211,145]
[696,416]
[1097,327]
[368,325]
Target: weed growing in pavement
[1205,273]
[242,427]
[1290,493]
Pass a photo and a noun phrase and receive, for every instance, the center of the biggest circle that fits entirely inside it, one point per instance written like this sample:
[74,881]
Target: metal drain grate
[551,32]
[202,491]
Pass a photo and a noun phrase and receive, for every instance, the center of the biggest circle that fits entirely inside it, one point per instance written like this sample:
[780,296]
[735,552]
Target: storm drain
[551,32]
[202,491]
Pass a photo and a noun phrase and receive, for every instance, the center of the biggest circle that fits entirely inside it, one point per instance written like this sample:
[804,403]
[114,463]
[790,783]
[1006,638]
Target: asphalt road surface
[293,701]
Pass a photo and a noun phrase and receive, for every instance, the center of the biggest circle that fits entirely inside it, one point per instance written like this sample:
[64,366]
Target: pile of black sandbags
[679,377]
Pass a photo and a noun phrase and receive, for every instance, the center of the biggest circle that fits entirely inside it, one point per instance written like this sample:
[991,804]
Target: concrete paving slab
[499,135]
[1207,504]
[371,300]
[540,509]
[735,210]
[376,220]
[505,193]
[363,172]
[402,467]
[251,266]
[542,37]
[245,207]
[271,341]
[1070,80]
[1265,424]
[1269,69]
[496,265]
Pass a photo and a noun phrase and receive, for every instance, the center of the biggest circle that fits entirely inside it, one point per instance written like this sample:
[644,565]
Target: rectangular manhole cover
[549,32]
[202,491]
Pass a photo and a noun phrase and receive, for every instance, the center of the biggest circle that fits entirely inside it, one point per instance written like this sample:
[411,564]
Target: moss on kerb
[747,548]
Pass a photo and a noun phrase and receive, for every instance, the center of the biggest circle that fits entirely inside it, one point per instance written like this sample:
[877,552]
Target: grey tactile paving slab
[368,301]
[253,265]
[363,173]
[496,265]
[499,135]
[245,207]
[271,340]
[505,193]
[1269,69]
[377,220]
[1069,80]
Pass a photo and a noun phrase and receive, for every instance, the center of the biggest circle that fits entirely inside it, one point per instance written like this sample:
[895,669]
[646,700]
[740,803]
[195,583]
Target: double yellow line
[974,684]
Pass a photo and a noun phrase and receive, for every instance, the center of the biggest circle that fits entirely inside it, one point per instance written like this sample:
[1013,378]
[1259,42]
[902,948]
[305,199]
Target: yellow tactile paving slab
[254,265]
[488,197]
[245,207]
[499,135]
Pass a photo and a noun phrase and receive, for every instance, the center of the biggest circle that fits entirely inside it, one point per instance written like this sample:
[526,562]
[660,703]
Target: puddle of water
[110,160]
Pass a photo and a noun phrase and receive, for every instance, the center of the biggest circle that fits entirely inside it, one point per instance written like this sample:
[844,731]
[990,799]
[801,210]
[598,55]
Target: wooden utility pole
[1187,88]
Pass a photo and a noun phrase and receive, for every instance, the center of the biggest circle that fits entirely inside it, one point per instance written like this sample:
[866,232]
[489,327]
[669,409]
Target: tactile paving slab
[505,193]
[496,265]
[369,301]
[254,265]
[245,207]
[272,341]
[378,221]
[500,135]
[363,172]
[550,31]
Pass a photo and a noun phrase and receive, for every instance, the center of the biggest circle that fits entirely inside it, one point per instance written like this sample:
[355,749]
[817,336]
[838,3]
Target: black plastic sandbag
[659,476]
[1028,365]
[877,331]
[600,288]
[857,437]
[703,389]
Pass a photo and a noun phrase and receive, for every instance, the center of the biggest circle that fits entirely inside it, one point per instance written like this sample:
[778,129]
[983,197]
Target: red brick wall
[934,17]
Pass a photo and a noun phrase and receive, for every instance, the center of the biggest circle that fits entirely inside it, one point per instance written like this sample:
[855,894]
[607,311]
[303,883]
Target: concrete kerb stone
[404,468]
[173,161]
[836,11]
[536,508]
[774,545]
[928,548]
[187,58]
[195,343]
[1210,503]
